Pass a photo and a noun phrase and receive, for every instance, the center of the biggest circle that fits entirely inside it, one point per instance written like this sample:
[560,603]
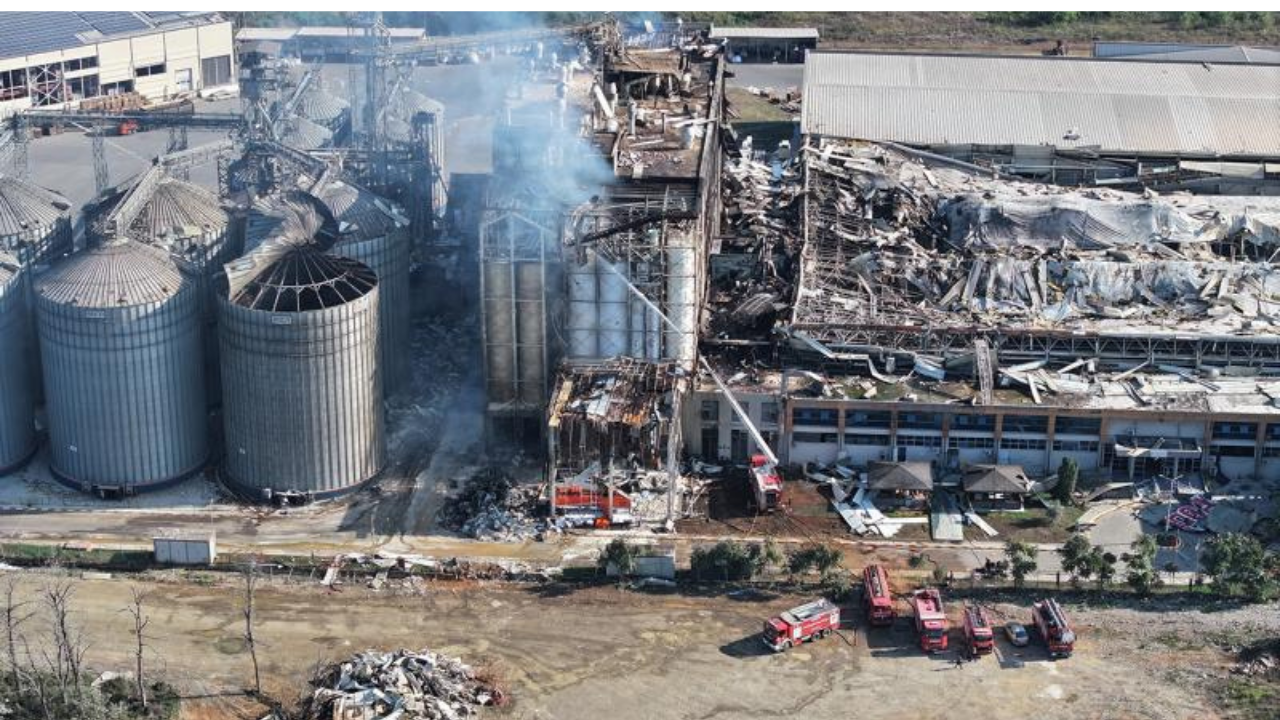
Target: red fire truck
[931,620]
[978,634]
[876,596]
[1054,629]
[765,484]
[800,624]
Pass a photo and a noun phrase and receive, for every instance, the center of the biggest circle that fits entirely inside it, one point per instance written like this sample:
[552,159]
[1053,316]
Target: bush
[1068,476]
[727,560]
[621,554]
[822,558]
[1239,564]
[1022,560]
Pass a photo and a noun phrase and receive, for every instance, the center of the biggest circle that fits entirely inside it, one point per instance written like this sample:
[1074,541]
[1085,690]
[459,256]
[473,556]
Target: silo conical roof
[319,105]
[24,206]
[409,102]
[116,274]
[180,209]
[302,134]
[360,213]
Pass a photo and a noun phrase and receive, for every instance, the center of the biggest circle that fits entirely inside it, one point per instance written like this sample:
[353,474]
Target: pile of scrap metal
[892,242]
[403,685]
[491,506]
[752,273]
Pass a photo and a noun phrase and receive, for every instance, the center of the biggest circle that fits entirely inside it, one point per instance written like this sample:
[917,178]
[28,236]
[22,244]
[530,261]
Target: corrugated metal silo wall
[302,397]
[219,247]
[388,257]
[17,421]
[38,245]
[126,394]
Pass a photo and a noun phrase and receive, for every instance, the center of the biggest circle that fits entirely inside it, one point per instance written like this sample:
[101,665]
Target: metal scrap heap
[403,685]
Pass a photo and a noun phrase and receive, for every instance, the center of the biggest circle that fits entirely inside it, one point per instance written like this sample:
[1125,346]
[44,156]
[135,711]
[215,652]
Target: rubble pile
[1261,659]
[404,685]
[492,507]
[762,219]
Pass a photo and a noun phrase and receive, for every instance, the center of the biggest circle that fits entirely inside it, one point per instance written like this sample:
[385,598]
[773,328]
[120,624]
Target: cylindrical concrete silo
[191,224]
[302,391]
[375,232]
[119,328]
[35,223]
[17,401]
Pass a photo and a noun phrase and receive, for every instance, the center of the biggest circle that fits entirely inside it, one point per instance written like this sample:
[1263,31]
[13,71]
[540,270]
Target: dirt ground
[603,652]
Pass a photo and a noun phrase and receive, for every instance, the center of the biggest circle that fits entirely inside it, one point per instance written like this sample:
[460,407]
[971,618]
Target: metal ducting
[17,411]
[191,224]
[376,232]
[302,389]
[120,342]
[35,223]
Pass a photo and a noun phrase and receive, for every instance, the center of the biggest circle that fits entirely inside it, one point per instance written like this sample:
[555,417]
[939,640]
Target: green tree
[765,556]
[1141,573]
[1102,566]
[1068,476]
[1075,556]
[727,560]
[1022,560]
[823,558]
[622,555]
[1239,564]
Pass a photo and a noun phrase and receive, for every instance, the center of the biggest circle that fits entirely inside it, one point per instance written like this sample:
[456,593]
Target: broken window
[1235,431]
[1066,425]
[815,416]
[710,411]
[769,413]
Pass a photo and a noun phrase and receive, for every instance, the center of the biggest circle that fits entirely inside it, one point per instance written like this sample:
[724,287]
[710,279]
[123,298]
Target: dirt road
[601,652]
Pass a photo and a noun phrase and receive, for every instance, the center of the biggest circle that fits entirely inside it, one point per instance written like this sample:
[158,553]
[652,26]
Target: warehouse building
[766,44]
[1186,52]
[60,58]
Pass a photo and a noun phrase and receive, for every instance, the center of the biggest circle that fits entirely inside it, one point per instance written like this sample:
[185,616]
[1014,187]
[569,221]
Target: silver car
[1017,634]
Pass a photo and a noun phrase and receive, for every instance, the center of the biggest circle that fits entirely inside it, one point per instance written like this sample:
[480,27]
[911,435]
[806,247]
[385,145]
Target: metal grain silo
[376,232]
[302,134]
[35,223]
[17,401]
[323,108]
[302,391]
[190,223]
[119,328]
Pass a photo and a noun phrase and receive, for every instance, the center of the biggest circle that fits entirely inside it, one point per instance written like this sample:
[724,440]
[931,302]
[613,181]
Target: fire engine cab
[978,633]
[877,598]
[800,624]
[1053,627]
[931,620]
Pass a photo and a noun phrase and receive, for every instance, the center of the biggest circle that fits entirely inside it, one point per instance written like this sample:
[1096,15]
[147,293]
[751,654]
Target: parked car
[1017,634]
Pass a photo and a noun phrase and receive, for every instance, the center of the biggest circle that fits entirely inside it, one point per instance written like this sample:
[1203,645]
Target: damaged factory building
[593,250]
[895,295]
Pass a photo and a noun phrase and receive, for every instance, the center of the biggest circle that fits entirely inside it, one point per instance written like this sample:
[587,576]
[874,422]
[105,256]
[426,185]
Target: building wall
[181,51]
[820,431]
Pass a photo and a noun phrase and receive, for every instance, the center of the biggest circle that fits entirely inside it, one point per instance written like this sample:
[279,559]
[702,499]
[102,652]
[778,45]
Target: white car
[1017,634]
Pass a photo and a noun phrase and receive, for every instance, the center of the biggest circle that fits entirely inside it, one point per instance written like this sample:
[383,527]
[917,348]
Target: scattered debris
[491,506]
[403,685]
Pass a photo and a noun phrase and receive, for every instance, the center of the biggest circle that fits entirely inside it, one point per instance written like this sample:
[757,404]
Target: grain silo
[409,104]
[17,412]
[302,390]
[119,328]
[375,232]
[191,224]
[323,108]
[35,223]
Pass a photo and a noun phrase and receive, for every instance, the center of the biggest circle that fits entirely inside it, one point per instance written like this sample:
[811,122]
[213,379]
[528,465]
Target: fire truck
[816,619]
[1053,627]
[931,619]
[978,634]
[876,596]
[765,484]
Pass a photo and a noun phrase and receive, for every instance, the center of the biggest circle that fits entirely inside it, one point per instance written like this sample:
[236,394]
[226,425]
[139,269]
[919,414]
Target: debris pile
[1262,659]
[492,507]
[404,685]
[788,99]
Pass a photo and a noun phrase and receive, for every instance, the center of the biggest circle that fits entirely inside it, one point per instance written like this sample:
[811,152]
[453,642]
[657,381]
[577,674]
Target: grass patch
[1251,698]
[1035,524]
[755,109]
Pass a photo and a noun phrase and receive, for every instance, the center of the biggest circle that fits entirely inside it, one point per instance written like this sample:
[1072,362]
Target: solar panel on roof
[110,23]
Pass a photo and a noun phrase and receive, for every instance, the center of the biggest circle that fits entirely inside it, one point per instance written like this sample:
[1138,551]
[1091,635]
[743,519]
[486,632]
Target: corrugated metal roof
[1113,105]
[24,206]
[181,209]
[1185,52]
[303,134]
[769,33]
[321,106]
[116,274]
[409,102]
[361,215]
[8,269]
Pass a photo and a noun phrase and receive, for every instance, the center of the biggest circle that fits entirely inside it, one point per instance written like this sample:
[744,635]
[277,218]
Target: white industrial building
[60,58]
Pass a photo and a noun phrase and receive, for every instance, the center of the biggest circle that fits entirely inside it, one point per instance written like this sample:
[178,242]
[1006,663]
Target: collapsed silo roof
[116,274]
[179,210]
[360,214]
[295,215]
[289,270]
[24,206]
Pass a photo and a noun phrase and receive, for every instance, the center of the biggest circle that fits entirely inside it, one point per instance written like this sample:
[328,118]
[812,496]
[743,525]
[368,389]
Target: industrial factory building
[56,59]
